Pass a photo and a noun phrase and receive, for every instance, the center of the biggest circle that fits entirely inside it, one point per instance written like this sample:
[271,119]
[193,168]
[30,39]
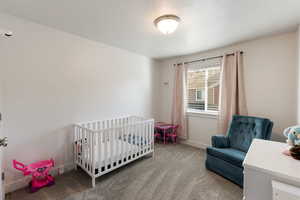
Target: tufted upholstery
[244,129]
[227,153]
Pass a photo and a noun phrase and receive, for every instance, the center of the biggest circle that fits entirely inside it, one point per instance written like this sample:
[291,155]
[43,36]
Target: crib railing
[102,146]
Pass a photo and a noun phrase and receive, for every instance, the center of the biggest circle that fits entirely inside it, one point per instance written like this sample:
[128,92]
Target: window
[203,89]
[200,95]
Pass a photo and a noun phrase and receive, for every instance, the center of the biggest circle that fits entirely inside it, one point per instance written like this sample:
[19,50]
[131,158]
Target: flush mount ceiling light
[167,24]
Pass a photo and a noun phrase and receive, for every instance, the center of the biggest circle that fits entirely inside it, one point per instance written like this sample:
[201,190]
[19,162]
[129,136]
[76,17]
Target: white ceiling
[128,24]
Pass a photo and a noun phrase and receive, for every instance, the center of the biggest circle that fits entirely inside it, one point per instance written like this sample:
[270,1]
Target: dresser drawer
[283,191]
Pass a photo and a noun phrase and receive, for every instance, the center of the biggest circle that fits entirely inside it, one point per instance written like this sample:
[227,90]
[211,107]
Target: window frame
[205,111]
[202,91]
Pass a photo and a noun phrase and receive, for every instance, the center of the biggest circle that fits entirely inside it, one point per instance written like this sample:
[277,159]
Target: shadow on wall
[64,154]
[57,144]
[278,137]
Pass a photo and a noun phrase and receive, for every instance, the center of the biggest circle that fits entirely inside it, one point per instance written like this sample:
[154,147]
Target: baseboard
[194,144]
[23,182]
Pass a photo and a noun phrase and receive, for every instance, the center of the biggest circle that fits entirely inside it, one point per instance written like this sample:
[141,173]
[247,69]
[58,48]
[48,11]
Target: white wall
[53,79]
[1,134]
[270,81]
[298,50]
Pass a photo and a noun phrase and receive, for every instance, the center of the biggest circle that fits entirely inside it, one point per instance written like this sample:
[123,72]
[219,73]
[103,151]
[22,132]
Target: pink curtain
[179,104]
[232,97]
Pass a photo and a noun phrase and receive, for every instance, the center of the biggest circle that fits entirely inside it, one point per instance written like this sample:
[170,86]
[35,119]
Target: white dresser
[270,175]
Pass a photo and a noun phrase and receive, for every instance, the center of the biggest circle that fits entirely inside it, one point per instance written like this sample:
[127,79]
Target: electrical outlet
[61,170]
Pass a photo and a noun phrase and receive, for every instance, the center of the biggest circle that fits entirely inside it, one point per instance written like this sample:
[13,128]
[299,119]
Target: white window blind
[203,88]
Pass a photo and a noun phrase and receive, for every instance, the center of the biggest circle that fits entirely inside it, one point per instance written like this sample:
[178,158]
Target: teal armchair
[227,153]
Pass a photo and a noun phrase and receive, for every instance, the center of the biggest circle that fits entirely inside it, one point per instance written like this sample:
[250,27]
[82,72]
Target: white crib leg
[76,167]
[93,182]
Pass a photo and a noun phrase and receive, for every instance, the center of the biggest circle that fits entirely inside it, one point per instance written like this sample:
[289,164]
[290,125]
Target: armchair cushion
[244,129]
[229,155]
[220,141]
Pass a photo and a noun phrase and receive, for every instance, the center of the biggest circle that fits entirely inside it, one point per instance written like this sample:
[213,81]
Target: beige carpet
[176,172]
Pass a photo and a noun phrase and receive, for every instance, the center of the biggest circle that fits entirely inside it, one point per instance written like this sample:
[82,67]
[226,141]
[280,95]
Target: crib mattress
[110,153]
[117,150]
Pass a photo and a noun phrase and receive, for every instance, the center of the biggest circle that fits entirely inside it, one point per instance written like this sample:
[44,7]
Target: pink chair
[157,137]
[165,131]
[158,127]
[173,134]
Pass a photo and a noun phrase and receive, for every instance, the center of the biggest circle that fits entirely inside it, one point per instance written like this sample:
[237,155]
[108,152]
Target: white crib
[102,146]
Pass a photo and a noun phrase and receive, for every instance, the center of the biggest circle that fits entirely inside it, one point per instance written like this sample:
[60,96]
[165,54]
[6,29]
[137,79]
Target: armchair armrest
[220,141]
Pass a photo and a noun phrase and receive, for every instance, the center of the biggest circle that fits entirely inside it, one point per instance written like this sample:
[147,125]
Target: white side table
[268,173]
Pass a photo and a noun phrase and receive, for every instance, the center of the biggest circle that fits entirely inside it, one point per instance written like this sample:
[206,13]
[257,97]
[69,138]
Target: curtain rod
[209,58]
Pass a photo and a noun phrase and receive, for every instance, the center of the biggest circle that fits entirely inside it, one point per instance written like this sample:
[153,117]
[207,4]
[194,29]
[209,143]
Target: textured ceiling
[128,24]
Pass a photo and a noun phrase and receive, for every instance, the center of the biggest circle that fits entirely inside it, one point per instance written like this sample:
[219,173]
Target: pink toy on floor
[39,171]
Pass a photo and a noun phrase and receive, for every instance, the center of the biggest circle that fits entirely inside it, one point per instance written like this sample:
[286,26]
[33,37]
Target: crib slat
[149,138]
[117,143]
[83,147]
[127,142]
[136,135]
[88,148]
[131,133]
[135,144]
[117,130]
[75,144]
[95,142]
[125,137]
[80,144]
[98,156]
[98,126]
[129,138]
[139,137]
[91,145]
[143,139]
[146,138]
[112,143]
[122,141]
[105,149]
[136,141]
[102,148]
[103,127]
[94,124]
[152,135]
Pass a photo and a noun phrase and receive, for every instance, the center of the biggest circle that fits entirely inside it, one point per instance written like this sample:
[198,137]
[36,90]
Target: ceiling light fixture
[167,24]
